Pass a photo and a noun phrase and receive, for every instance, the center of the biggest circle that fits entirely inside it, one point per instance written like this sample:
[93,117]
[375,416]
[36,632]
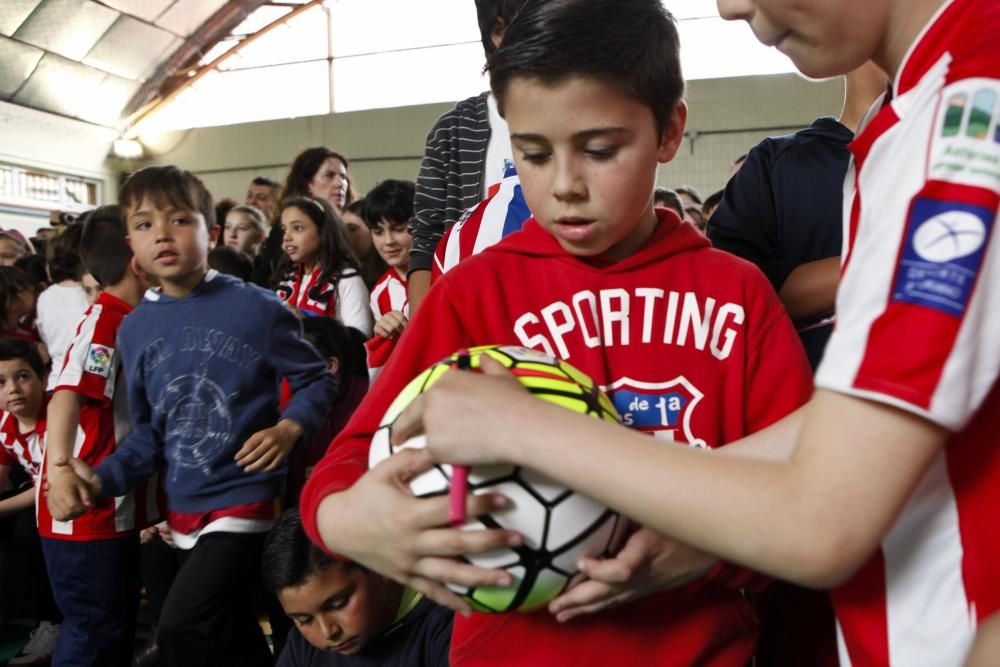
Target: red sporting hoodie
[693,346]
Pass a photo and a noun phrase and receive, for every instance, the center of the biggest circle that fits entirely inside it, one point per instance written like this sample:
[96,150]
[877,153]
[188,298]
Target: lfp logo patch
[99,359]
[662,409]
[945,243]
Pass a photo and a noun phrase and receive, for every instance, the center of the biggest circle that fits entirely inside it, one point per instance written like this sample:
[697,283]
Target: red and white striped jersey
[918,328]
[503,212]
[92,368]
[25,449]
[389,294]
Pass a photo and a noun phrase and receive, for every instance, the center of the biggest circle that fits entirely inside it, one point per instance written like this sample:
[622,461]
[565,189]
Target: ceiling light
[127,149]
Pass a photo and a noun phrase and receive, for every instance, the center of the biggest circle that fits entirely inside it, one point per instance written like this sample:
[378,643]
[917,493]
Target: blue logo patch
[945,242]
[661,409]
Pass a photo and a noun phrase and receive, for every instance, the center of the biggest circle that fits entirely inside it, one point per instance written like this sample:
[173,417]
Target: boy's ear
[333,363]
[673,133]
[497,31]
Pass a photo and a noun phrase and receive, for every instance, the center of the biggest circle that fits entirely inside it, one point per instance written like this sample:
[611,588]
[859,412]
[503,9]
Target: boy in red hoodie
[691,343]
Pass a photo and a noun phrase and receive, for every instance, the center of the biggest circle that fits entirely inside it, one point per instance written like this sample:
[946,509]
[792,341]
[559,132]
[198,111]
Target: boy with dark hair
[205,354]
[344,614]
[464,158]
[388,211]
[592,93]
[884,487]
[22,440]
[93,560]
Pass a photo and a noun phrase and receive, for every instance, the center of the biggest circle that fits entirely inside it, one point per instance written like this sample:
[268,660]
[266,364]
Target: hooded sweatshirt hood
[671,236]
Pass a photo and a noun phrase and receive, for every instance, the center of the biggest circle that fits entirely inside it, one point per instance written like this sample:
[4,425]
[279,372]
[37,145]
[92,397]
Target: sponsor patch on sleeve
[965,147]
[943,251]
[99,358]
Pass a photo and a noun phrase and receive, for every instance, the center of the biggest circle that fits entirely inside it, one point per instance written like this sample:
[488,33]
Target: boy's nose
[567,184]
[330,629]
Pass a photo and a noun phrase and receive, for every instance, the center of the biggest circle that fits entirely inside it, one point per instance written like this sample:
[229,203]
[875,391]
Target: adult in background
[783,210]
[262,194]
[316,172]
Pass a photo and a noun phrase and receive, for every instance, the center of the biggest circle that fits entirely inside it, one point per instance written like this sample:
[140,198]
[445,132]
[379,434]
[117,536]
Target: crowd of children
[198,428]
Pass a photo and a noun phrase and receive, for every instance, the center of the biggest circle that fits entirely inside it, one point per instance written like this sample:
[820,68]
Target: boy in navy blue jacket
[344,614]
[204,355]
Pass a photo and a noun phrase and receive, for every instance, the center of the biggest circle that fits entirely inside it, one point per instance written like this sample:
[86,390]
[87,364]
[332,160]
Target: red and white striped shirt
[503,212]
[25,449]
[93,370]
[918,328]
[388,294]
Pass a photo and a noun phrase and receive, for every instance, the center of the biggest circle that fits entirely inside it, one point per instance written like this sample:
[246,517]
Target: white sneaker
[39,647]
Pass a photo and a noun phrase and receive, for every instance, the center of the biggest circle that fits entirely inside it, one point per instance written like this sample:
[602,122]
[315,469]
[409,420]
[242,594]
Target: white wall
[31,138]
[388,143]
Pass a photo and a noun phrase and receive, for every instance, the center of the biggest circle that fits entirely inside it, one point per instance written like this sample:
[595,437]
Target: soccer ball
[559,526]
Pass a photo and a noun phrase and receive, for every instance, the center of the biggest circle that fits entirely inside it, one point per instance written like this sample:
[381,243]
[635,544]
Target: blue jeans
[96,586]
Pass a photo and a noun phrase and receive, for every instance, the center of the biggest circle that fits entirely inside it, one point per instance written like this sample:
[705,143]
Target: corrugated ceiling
[87,59]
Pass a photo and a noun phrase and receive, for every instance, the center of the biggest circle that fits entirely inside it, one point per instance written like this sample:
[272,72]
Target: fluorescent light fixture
[127,149]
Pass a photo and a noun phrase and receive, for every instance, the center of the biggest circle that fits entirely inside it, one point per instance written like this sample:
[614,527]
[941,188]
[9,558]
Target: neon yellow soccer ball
[559,526]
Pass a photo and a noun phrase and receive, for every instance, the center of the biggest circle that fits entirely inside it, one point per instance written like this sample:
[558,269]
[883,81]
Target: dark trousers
[208,617]
[159,563]
[20,529]
[96,586]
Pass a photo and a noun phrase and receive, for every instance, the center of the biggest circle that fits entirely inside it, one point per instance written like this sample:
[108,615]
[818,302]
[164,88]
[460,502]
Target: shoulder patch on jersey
[965,147]
[99,358]
[943,250]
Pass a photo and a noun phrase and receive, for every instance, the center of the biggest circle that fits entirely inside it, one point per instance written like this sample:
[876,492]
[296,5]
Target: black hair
[168,186]
[18,348]
[263,180]
[289,558]
[357,207]
[487,13]
[231,261]
[35,267]
[63,255]
[304,169]
[335,254]
[740,159]
[390,200]
[712,201]
[103,249]
[13,281]
[333,339]
[669,199]
[222,209]
[631,44]
[690,192]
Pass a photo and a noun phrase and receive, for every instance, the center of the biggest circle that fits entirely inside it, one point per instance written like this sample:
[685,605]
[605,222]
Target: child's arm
[778,381]
[67,495]
[811,520]
[391,325]
[313,390]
